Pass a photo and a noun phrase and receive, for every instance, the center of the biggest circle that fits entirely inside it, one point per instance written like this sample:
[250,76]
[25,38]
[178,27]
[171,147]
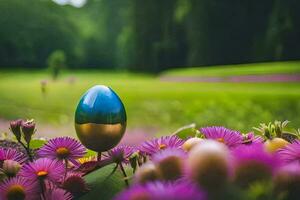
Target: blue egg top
[100,105]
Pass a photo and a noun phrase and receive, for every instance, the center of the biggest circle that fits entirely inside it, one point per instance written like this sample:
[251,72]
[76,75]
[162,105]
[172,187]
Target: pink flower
[75,184]
[252,163]
[155,145]
[120,154]
[161,190]
[290,153]
[229,137]
[19,188]
[11,154]
[63,148]
[43,169]
[54,193]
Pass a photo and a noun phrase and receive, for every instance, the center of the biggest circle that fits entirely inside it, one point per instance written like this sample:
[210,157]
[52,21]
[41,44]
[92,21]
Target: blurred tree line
[149,35]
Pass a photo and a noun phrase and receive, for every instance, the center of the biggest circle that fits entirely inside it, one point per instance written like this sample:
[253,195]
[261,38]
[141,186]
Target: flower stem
[66,169]
[42,189]
[112,172]
[27,148]
[124,174]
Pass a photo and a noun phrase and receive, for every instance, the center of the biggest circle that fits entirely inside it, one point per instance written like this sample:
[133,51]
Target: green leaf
[187,131]
[103,185]
[37,143]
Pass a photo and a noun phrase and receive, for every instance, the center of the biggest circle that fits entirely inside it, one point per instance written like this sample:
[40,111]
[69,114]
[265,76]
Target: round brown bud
[190,143]
[11,168]
[208,164]
[147,172]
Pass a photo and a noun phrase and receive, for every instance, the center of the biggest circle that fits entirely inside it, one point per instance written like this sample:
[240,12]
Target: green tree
[155,34]
[56,62]
[228,31]
[283,34]
[31,30]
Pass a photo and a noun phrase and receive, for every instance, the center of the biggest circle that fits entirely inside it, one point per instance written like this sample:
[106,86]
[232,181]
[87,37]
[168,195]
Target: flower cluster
[46,173]
[217,163]
[208,165]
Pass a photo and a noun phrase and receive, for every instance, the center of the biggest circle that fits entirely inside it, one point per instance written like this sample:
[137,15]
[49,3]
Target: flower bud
[273,145]
[170,163]
[11,168]
[251,165]
[278,128]
[190,143]
[267,132]
[208,165]
[28,129]
[147,172]
[15,127]
[286,182]
[133,160]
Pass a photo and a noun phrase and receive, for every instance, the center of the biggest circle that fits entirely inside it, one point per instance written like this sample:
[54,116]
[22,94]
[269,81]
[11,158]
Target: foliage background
[133,45]
[149,35]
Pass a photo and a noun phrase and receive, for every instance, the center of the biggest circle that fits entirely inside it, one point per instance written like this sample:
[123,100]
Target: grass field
[151,103]
[236,70]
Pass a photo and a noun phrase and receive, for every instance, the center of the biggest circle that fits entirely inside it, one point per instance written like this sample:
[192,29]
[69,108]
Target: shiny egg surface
[100,119]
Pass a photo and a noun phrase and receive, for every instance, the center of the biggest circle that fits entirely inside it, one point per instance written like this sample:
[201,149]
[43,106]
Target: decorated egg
[100,119]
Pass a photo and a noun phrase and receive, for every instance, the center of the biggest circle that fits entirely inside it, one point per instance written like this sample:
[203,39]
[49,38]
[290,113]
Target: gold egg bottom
[100,137]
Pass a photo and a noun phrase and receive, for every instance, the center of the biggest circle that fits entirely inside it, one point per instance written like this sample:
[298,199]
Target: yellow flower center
[86,159]
[221,140]
[83,160]
[42,174]
[162,146]
[62,152]
[16,192]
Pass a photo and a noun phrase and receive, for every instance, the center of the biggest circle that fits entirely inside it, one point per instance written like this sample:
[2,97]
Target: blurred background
[149,35]
[173,62]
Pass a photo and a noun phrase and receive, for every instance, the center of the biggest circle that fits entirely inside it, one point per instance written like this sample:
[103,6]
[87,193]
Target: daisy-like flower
[170,163]
[120,154]
[19,188]
[75,184]
[152,146]
[229,137]
[11,154]
[161,190]
[252,163]
[251,138]
[63,148]
[290,153]
[53,193]
[43,169]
